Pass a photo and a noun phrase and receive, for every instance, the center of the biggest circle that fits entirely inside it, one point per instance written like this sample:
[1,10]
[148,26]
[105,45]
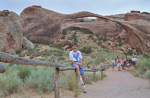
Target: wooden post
[56,81]
[94,74]
[101,74]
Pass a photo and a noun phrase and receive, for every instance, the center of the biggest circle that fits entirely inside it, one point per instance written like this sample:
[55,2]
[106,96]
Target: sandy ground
[118,85]
[115,85]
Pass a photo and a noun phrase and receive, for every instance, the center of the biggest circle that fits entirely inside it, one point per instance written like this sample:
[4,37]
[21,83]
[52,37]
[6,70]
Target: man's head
[75,47]
[118,57]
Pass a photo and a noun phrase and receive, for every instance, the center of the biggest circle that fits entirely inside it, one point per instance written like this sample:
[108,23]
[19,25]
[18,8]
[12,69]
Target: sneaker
[84,89]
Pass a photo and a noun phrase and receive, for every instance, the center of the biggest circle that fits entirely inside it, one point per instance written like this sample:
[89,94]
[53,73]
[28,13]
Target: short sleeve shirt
[75,56]
[113,61]
[133,59]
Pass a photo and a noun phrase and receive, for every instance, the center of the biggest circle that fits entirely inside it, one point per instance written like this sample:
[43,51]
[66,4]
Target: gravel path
[118,85]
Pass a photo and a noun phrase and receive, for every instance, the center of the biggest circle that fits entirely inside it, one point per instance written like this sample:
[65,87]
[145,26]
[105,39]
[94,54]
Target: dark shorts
[133,63]
[80,68]
[113,65]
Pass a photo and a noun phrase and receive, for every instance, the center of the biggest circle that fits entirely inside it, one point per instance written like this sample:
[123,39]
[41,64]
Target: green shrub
[87,50]
[9,83]
[24,72]
[64,31]
[68,81]
[104,37]
[18,51]
[88,77]
[63,37]
[147,74]
[98,77]
[42,80]
[81,20]
[146,55]
[99,43]
[103,46]
[91,37]
[74,37]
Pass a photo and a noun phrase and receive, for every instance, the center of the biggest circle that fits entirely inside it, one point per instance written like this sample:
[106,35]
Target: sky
[102,7]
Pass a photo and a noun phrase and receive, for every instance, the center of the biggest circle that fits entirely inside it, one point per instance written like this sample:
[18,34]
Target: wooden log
[4,57]
[90,70]
[66,68]
[56,82]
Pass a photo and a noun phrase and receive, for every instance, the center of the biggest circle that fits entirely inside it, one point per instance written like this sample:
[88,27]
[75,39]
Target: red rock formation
[41,26]
[11,32]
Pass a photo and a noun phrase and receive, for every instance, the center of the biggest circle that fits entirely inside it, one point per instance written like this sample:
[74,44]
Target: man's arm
[79,64]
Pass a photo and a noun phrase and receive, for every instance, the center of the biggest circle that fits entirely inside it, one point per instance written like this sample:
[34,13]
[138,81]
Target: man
[76,60]
[113,64]
[123,64]
[134,61]
[118,63]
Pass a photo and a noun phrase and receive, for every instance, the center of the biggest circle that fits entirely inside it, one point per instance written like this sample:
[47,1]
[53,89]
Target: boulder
[11,32]
[27,44]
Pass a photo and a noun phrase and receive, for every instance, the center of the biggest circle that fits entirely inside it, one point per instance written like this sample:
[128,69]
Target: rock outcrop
[11,32]
[42,26]
[27,44]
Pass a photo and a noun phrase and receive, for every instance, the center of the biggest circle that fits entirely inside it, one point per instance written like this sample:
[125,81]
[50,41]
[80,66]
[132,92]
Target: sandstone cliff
[11,32]
[42,26]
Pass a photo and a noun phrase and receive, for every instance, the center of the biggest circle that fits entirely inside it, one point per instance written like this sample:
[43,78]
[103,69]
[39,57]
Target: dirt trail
[118,85]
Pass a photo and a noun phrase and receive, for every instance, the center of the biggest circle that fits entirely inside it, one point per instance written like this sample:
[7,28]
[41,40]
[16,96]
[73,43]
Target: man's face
[75,48]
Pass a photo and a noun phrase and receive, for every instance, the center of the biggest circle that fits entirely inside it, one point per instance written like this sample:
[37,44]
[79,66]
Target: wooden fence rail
[7,58]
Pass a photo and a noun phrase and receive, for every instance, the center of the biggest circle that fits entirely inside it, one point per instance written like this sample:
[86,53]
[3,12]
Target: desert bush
[103,46]
[74,37]
[81,20]
[148,75]
[18,51]
[63,37]
[87,50]
[68,81]
[59,46]
[98,77]
[9,83]
[146,55]
[91,37]
[88,77]
[41,80]
[104,37]
[24,72]
[64,31]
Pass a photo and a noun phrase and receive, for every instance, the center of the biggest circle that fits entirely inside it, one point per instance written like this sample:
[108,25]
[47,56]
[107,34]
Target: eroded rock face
[11,32]
[41,26]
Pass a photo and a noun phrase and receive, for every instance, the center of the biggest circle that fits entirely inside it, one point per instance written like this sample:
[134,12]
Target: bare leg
[119,68]
[83,78]
[77,71]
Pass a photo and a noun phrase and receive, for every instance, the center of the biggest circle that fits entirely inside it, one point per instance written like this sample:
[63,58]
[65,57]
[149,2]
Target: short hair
[75,44]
